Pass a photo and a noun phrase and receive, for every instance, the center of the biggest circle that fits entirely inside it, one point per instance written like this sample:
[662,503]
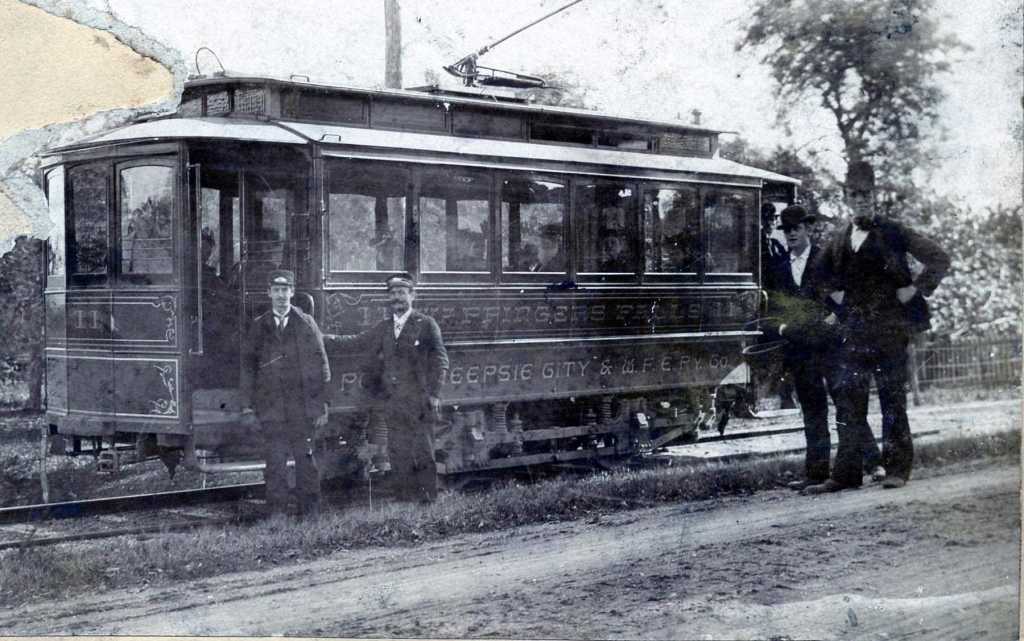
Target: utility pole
[393,45]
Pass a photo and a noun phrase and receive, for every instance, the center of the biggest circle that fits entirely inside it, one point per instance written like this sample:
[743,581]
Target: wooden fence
[969,363]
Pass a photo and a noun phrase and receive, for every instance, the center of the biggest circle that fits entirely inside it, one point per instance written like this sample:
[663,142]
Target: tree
[981,296]
[873,64]
[22,315]
[1004,226]
[818,189]
[562,88]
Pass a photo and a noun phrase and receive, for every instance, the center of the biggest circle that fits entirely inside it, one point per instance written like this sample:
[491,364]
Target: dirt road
[938,559]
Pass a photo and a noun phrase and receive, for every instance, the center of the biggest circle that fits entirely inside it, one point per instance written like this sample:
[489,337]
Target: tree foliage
[563,88]
[22,315]
[818,189]
[982,295]
[872,64]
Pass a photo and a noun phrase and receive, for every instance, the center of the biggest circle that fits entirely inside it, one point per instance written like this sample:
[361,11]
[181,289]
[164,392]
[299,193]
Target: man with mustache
[408,348]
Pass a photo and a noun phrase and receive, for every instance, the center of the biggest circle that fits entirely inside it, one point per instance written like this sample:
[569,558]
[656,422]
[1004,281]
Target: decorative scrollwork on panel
[168,304]
[339,309]
[166,406]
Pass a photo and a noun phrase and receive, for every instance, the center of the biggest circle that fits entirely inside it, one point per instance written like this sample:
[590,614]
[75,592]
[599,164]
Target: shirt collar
[802,255]
[400,320]
[281,315]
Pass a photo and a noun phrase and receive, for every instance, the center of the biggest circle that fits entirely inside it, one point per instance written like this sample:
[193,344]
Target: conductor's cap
[281,277]
[401,279]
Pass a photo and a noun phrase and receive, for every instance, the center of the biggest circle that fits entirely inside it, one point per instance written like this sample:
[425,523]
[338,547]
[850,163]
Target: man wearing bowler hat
[410,353]
[284,377]
[880,306]
[797,306]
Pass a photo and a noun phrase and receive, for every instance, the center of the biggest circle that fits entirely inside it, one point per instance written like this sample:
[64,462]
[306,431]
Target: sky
[647,58]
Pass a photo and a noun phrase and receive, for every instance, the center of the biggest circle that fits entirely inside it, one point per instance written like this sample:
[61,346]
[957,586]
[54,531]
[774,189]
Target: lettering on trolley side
[494,373]
[490,373]
[488,316]
[349,382]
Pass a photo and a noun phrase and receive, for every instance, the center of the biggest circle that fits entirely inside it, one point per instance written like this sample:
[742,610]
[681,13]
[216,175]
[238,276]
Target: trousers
[411,451]
[284,440]
[884,357]
[813,381]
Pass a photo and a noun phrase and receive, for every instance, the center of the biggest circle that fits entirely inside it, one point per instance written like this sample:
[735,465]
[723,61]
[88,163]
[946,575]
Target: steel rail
[157,500]
[180,498]
[737,436]
[106,534]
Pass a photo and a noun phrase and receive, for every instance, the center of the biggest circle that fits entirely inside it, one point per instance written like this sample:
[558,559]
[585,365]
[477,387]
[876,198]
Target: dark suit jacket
[280,373]
[773,254]
[411,367]
[871,277]
[800,307]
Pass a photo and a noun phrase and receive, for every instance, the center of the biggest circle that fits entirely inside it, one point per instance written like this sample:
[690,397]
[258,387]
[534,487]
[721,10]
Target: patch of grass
[934,456]
[32,573]
[950,395]
[13,394]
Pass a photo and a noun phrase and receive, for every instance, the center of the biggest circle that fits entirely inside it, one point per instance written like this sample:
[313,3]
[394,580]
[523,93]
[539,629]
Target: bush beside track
[58,572]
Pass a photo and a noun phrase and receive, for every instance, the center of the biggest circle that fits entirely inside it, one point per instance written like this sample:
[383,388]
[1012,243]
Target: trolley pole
[393,45]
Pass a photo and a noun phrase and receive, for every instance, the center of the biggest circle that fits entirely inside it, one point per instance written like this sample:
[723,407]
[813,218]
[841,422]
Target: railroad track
[140,514]
[52,523]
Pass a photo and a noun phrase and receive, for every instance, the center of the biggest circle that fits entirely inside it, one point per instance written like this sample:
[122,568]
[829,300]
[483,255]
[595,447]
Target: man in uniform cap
[797,304]
[413,360]
[880,305]
[284,377]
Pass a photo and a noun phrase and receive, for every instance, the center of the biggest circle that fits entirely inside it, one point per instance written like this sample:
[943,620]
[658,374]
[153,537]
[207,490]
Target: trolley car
[594,277]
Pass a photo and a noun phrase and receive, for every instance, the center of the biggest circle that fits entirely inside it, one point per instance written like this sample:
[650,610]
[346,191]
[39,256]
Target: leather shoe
[826,487]
[894,483]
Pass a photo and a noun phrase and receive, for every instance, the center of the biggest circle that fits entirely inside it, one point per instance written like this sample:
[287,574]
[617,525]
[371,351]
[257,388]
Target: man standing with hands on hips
[880,306]
[284,377]
[410,353]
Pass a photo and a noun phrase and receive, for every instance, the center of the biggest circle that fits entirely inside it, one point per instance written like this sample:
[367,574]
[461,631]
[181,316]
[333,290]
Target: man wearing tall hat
[797,306]
[284,378]
[408,348]
[880,306]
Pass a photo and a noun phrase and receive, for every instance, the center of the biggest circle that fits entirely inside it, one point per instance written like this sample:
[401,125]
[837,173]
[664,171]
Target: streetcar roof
[180,128]
[335,138]
[438,94]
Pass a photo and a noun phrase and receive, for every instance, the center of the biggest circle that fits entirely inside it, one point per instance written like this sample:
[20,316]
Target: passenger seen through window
[533,216]
[607,219]
[454,221]
[672,230]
